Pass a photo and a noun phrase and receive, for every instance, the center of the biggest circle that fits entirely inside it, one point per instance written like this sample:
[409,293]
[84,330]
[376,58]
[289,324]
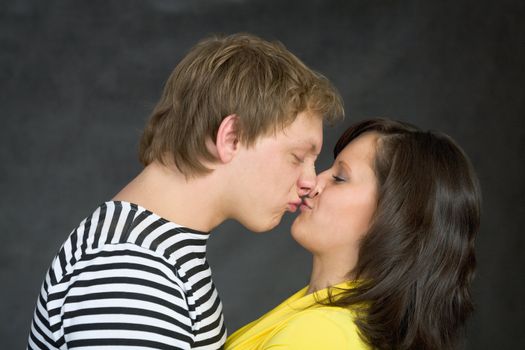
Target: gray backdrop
[79,78]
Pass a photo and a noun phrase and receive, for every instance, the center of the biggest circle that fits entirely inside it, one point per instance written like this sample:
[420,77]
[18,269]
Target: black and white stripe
[129,279]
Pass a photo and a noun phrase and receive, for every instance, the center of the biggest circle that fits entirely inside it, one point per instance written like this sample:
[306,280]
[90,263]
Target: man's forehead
[305,133]
[310,145]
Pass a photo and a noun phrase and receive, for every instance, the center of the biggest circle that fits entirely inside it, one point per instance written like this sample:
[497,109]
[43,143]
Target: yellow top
[301,323]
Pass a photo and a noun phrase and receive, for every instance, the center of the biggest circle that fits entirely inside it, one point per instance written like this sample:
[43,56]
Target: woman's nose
[320,184]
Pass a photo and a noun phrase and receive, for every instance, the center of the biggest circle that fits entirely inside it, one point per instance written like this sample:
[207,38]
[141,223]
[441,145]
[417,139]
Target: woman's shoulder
[329,312]
[324,327]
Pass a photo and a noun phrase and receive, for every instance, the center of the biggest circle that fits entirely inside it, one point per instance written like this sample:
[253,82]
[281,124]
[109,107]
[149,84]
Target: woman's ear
[227,142]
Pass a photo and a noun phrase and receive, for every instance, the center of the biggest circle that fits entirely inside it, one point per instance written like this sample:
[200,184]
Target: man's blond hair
[260,82]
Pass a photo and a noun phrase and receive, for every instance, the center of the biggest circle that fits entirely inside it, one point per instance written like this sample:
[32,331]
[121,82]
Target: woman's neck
[329,270]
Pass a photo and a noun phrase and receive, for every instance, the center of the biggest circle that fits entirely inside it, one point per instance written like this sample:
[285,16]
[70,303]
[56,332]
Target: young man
[234,136]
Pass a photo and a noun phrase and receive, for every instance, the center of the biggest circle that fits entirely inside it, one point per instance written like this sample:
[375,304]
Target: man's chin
[261,227]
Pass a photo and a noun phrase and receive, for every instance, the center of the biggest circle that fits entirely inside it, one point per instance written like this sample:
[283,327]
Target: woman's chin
[299,227]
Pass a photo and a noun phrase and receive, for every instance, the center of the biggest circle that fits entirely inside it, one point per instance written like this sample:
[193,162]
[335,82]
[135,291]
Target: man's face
[275,172]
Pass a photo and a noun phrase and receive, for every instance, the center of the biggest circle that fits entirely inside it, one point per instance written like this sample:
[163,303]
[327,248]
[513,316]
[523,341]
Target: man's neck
[166,192]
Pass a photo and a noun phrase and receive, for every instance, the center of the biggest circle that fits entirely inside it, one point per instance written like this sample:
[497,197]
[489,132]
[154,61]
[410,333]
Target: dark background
[79,78]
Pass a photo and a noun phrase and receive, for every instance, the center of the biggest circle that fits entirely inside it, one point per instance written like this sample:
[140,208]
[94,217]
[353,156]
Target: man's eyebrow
[311,146]
[313,149]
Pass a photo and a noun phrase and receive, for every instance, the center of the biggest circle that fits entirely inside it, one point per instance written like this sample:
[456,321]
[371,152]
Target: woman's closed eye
[338,178]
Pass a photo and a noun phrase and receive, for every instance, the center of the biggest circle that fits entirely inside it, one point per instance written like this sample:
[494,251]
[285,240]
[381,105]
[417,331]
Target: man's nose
[307,181]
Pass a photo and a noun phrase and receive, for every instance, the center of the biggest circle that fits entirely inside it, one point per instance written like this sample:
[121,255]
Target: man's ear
[227,142]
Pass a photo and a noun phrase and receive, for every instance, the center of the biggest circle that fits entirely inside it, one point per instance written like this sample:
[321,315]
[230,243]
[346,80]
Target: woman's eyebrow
[344,165]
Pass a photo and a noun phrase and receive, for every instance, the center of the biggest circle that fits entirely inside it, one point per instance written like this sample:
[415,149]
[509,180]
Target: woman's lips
[305,204]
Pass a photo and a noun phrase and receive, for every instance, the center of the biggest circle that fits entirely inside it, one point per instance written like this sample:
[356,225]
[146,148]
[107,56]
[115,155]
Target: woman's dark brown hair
[417,260]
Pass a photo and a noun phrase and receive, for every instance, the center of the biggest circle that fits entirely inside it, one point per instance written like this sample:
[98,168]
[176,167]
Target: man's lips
[292,206]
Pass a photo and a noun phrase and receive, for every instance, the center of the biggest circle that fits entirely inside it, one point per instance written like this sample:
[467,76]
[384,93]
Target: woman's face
[337,217]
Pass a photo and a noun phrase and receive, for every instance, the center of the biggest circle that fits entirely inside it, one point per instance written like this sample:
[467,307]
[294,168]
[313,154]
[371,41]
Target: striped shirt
[128,279]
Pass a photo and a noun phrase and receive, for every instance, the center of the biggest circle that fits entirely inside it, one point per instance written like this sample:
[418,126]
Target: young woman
[391,228]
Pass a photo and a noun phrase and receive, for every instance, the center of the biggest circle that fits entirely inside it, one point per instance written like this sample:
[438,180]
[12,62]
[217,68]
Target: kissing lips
[292,206]
[305,204]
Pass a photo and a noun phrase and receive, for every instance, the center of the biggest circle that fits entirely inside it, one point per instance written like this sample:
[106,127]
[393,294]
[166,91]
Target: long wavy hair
[417,260]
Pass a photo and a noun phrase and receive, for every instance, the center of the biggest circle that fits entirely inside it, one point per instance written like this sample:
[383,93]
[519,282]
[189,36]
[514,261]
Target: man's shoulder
[128,241]
[114,234]
[117,224]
